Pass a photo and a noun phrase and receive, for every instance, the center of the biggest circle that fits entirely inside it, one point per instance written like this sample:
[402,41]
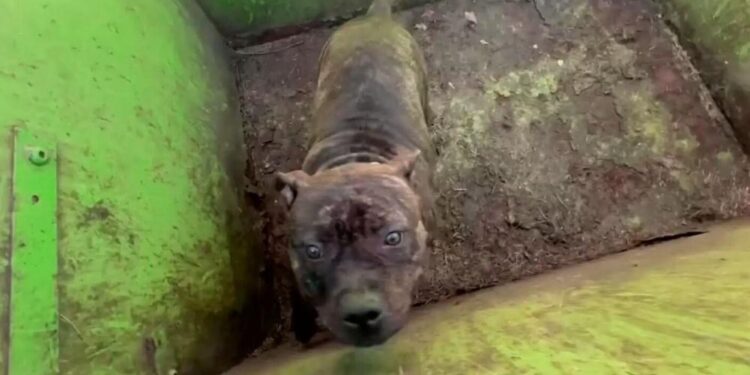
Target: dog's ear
[290,184]
[404,164]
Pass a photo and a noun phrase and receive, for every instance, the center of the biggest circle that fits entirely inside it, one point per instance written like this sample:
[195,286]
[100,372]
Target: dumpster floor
[675,308]
[567,130]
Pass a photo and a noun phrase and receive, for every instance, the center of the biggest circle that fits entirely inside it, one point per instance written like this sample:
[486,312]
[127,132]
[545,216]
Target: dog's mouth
[362,320]
[366,334]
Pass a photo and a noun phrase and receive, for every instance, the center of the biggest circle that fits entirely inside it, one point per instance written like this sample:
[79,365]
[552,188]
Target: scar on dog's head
[358,245]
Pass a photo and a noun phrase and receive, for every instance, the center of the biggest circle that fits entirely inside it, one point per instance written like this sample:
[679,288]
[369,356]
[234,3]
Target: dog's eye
[313,252]
[393,238]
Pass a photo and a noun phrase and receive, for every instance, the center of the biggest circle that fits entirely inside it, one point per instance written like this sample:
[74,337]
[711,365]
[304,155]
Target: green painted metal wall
[153,249]
[5,205]
[718,33]
[251,17]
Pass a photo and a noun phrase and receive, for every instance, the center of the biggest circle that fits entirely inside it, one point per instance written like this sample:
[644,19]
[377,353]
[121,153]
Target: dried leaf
[471,17]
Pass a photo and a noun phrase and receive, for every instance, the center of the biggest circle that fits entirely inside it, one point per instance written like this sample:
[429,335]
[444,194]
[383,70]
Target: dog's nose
[362,310]
[363,319]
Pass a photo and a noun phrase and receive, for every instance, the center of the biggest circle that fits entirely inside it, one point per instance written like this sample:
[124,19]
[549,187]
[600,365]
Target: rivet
[38,156]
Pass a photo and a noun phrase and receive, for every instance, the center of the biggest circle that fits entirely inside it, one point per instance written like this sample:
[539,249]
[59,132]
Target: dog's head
[358,245]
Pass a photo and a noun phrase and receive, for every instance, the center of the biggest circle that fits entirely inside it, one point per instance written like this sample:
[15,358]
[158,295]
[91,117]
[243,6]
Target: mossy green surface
[720,25]
[6,153]
[718,32]
[252,17]
[676,308]
[138,98]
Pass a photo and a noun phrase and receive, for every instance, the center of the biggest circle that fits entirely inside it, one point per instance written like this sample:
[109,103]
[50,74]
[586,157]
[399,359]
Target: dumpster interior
[140,231]
[566,130]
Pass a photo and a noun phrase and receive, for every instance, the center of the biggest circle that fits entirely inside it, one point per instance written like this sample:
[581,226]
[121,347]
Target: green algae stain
[531,94]
[725,157]
[687,145]
[538,82]
[467,135]
[534,94]
[683,180]
[645,119]
[649,133]
[529,83]
[634,223]
[512,105]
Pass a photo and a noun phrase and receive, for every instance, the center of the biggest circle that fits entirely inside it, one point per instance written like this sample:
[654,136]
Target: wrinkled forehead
[376,201]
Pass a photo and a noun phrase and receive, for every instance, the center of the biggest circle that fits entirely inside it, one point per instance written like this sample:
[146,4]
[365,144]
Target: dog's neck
[355,157]
[355,145]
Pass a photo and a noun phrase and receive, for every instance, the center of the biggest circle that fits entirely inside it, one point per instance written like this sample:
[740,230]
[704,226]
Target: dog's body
[371,99]
[361,203]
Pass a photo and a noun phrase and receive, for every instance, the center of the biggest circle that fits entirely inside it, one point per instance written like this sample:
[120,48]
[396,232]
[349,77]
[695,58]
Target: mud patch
[567,130]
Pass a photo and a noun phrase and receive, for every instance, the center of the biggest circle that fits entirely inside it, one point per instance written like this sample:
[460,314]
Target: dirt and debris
[471,18]
[567,130]
[270,47]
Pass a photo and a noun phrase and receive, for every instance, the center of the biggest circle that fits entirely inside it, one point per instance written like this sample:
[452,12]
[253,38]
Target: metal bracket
[34,340]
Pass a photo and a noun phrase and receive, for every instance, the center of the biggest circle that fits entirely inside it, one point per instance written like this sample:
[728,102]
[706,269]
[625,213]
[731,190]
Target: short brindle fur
[361,203]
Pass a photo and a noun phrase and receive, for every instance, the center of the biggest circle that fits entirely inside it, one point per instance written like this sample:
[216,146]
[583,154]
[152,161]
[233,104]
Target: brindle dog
[361,203]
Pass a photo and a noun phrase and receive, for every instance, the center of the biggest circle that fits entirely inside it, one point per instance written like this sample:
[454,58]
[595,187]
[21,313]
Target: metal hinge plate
[33,346]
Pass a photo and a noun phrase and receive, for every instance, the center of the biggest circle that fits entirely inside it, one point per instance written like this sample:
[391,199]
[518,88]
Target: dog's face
[358,245]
